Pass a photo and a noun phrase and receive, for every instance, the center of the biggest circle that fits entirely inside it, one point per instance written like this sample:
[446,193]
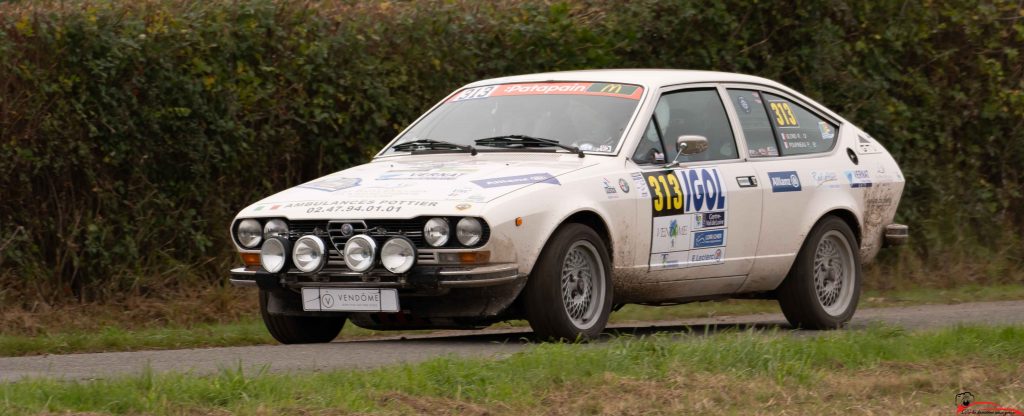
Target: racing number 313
[783,114]
[667,194]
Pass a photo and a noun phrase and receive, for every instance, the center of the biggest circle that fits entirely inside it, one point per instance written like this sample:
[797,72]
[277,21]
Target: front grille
[380,230]
[307,227]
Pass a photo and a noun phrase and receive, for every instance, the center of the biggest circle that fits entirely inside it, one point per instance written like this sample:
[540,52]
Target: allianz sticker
[786,181]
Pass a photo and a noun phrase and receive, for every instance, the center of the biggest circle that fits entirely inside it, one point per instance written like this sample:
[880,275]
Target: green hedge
[131,132]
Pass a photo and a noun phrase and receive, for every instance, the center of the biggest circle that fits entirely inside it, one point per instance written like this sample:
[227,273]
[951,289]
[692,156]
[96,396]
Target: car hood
[410,186]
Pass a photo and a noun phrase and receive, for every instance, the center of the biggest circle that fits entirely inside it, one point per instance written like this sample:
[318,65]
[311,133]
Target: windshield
[590,116]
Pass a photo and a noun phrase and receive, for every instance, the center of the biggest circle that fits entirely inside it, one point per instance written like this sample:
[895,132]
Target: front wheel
[299,329]
[568,295]
[823,288]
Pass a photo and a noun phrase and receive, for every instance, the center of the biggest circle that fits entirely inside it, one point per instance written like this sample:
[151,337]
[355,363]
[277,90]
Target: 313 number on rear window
[784,116]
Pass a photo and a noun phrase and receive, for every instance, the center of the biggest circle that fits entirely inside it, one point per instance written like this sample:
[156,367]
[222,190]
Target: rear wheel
[568,296]
[823,288]
[299,329]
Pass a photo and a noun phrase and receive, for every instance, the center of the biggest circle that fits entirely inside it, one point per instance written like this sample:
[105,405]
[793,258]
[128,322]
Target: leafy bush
[131,132]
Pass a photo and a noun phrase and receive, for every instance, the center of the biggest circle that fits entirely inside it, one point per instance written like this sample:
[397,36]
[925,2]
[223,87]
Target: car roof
[650,78]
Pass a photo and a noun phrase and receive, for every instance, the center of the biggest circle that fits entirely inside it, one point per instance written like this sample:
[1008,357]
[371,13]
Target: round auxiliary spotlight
[398,255]
[308,253]
[360,252]
[274,255]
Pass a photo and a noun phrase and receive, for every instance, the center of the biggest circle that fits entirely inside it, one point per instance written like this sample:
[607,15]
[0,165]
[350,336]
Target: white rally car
[559,197]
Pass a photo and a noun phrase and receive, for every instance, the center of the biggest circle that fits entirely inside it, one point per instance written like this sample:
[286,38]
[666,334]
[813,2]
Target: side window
[696,112]
[650,149]
[800,131]
[754,120]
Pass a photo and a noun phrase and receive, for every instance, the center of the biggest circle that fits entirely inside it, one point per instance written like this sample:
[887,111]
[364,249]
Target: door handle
[746,181]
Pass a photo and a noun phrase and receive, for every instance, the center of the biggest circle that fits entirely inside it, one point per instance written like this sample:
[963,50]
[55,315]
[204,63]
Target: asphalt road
[378,352]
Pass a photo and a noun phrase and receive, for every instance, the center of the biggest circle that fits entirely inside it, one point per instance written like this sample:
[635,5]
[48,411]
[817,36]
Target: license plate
[349,300]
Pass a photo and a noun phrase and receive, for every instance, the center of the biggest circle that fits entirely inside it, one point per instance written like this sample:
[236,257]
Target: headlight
[398,255]
[275,228]
[308,253]
[359,253]
[249,233]
[273,255]
[436,232]
[469,230]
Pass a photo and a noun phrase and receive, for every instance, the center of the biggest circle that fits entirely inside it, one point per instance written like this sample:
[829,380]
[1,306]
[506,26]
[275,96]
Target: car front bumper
[425,277]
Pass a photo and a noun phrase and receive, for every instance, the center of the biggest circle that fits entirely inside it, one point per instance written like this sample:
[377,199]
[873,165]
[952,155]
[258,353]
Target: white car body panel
[760,236]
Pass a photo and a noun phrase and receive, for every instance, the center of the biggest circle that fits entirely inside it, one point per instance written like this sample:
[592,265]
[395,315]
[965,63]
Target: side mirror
[691,145]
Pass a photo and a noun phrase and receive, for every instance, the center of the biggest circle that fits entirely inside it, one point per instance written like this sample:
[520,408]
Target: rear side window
[754,121]
[799,130]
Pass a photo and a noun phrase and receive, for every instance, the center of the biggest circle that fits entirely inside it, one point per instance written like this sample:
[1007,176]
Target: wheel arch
[595,222]
[848,217]
[781,272]
[585,216]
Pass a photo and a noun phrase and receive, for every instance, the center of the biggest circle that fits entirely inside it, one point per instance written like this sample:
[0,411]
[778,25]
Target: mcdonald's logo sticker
[617,89]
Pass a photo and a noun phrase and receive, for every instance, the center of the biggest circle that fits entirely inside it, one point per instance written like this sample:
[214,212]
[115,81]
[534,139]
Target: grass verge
[249,330]
[869,299]
[881,370]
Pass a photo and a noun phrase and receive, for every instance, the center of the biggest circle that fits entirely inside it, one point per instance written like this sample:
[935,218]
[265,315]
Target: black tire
[798,295]
[543,297]
[299,329]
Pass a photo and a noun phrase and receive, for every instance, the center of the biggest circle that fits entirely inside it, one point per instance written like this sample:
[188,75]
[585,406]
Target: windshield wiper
[433,144]
[523,141]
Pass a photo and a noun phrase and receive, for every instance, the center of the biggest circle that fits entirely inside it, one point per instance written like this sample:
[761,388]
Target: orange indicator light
[251,259]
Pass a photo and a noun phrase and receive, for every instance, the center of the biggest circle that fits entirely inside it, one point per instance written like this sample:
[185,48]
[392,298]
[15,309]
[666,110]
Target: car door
[788,145]
[704,212]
